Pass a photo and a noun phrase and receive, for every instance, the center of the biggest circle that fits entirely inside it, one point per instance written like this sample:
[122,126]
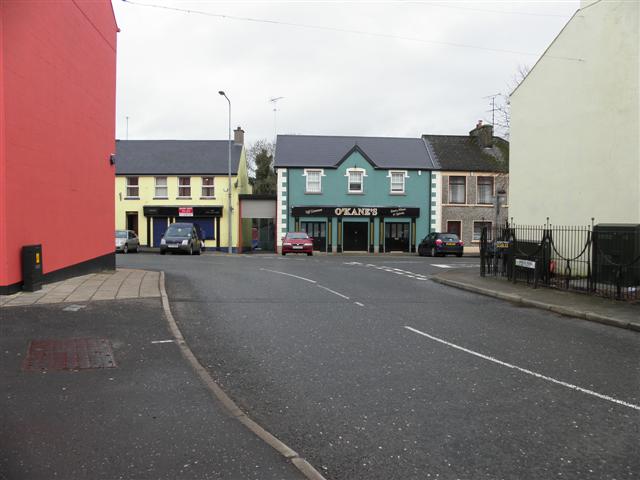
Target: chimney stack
[238,136]
[483,134]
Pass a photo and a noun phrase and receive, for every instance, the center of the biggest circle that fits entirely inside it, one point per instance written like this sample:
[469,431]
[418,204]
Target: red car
[297,242]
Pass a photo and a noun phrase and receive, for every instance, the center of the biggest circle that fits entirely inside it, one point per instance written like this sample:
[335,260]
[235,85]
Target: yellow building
[159,182]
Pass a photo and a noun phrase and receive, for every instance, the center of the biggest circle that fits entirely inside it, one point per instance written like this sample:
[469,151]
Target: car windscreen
[178,231]
[448,237]
[121,234]
[297,235]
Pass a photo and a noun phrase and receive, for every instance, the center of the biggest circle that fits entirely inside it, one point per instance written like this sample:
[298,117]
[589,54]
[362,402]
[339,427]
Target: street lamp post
[230,207]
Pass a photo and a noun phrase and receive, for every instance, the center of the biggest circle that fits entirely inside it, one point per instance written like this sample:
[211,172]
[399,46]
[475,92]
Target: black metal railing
[597,260]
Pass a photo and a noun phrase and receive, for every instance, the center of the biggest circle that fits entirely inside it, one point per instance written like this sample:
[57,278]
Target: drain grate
[68,354]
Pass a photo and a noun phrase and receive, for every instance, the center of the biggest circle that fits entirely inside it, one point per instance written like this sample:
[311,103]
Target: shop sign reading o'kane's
[412,212]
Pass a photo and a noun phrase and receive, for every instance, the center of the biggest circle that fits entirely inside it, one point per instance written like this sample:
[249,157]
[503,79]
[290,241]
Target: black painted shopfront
[208,218]
[359,229]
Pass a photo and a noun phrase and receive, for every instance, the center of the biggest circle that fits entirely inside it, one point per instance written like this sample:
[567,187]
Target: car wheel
[420,252]
[125,249]
[162,252]
[190,249]
[458,254]
[283,254]
[199,250]
[309,254]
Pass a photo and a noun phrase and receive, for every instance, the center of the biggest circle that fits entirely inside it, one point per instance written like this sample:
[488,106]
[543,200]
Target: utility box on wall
[616,254]
[32,268]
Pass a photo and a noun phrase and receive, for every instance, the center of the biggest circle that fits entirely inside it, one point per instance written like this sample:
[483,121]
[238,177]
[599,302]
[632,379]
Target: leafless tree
[502,104]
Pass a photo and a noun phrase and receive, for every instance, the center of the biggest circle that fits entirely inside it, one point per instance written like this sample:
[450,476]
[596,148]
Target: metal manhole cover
[68,354]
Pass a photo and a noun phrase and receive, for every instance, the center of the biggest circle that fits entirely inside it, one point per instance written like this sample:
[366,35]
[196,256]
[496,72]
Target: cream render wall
[575,127]
[147,191]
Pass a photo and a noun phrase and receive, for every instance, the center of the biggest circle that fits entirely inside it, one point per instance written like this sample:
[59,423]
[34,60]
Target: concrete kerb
[300,463]
[568,312]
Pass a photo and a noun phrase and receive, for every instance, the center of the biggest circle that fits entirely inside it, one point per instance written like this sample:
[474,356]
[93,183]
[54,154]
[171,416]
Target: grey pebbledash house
[472,177]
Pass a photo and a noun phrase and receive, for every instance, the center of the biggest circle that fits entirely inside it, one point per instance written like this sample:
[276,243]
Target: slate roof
[327,151]
[462,153]
[175,157]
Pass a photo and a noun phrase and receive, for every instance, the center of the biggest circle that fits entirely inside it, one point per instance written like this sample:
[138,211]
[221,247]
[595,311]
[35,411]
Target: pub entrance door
[355,236]
[396,237]
[317,231]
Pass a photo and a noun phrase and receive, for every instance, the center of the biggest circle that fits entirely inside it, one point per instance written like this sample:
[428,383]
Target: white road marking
[289,275]
[528,372]
[163,341]
[441,266]
[333,291]
[73,308]
[359,304]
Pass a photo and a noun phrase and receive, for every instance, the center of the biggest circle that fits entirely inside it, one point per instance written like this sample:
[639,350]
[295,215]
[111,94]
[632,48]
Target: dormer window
[355,179]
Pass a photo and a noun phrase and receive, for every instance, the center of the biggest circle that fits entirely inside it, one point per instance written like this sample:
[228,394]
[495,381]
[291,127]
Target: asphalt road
[372,371]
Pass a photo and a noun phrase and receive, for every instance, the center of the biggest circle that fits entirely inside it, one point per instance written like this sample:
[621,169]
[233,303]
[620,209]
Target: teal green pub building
[359,194]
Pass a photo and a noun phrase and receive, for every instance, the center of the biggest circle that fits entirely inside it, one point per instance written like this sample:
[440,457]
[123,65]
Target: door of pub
[318,232]
[396,237]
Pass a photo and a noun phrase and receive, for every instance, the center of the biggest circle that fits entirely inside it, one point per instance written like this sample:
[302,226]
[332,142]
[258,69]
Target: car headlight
[185,242]
[163,241]
[286,244]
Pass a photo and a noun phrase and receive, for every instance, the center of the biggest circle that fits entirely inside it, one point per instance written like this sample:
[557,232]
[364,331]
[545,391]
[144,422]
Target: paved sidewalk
[105,393]
[123,283]
[596,309]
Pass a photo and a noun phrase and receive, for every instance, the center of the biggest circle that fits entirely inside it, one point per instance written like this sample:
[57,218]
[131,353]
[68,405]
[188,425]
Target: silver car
[127,241]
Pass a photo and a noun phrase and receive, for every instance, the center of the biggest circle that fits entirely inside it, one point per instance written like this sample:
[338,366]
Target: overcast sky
[171,65]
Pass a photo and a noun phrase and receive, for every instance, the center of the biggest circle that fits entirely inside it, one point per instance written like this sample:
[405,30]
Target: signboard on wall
[185,211]
[355,212]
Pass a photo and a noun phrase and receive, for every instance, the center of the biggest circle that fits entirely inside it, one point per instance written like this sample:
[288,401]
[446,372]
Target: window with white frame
[356,181]
[184,187]
[314,181]
[133,187]
[208,190]
[397,181]
[477,230]
[485,190]
[457,189]
[161,188]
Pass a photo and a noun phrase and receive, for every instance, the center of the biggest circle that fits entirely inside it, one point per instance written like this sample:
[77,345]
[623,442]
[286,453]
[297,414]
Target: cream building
[575,129]
[159,182]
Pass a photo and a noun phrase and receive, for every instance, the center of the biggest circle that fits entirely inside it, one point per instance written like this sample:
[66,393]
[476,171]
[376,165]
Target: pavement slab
[123,283]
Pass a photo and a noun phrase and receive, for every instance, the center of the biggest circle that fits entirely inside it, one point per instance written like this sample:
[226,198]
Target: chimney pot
[238,136]
[483,135]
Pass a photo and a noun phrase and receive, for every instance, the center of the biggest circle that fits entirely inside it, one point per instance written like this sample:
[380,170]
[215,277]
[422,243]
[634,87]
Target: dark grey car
[126,241]
[181,237]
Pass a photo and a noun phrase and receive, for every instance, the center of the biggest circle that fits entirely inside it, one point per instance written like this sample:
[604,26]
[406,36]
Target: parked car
[440,244]
[297,242]
[126,241]
[181,237]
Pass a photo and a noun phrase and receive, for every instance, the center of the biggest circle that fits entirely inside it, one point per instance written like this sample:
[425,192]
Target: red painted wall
[57,130]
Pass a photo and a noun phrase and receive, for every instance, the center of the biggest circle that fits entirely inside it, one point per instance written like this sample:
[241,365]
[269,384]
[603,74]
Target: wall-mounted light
[112,159]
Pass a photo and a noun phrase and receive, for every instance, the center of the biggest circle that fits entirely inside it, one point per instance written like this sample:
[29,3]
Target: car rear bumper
[450,250]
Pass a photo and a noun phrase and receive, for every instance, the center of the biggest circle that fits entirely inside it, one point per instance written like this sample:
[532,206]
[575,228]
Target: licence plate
[449,244]
[173,245]
[297,247]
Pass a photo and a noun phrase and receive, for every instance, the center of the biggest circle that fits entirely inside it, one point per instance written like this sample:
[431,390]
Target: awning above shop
[182,211]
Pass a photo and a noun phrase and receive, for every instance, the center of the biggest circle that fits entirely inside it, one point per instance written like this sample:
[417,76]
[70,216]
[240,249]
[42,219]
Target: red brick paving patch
[68,354]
